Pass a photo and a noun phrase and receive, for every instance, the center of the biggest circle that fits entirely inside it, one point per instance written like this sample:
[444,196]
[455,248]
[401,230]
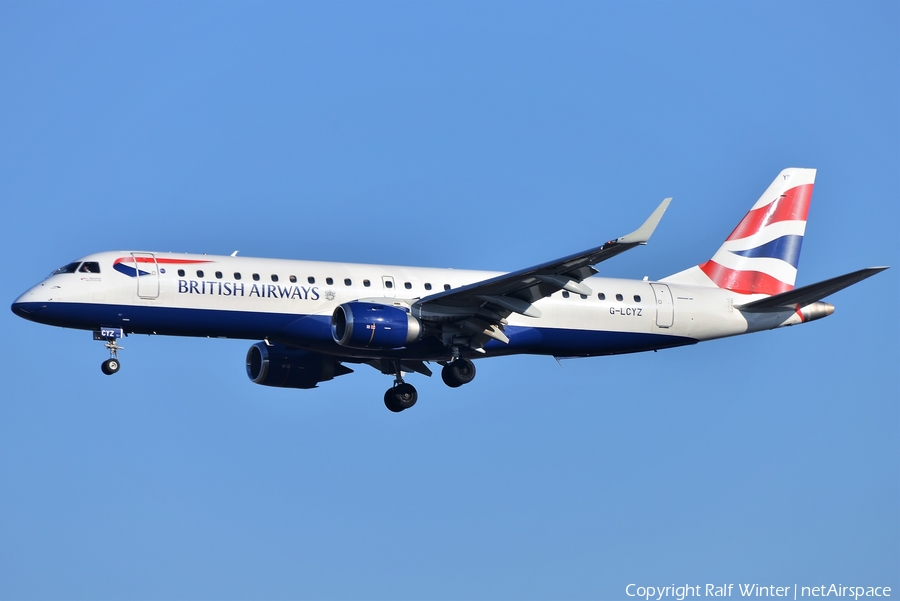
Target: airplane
[314,318]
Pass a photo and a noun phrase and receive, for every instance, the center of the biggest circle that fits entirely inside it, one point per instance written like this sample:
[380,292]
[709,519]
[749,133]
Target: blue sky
[468,135]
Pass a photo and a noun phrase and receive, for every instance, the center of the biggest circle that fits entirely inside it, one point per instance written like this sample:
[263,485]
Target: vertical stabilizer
[762,253]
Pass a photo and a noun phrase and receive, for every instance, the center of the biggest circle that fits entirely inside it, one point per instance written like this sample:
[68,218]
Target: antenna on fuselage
[234,254]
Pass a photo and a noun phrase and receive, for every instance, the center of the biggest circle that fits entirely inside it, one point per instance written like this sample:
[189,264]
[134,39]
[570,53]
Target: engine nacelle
[286,367]
[371,325]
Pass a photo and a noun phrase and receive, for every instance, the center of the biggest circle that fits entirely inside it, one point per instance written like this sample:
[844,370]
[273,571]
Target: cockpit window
[70,268]
[89,267]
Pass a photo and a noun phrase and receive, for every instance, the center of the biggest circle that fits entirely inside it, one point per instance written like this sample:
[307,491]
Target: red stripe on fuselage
[744,282]
[161,261]
[793,206]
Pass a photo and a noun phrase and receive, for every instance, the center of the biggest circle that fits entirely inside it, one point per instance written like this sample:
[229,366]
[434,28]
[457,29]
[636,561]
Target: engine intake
[371,325]
[286,367]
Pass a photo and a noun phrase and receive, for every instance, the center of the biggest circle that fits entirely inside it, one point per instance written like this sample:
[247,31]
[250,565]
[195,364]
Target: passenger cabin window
[329,281]
[637,298]
[255,277]
[446,286]
[347,282]
[311,280]
[427,286]
[218,275]
[199,273]
[274,278]
[565,294]
[293,279]
[388,284]
[583,296]
[89,267]
[407,285]
[181,273]
[367,283]
[619,297]
[70,268]
[237,275]
[601,296]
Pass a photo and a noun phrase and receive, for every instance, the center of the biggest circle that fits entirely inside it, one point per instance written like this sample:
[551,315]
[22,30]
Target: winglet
[643,233]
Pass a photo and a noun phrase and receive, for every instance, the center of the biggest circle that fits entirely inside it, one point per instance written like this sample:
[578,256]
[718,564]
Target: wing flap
[512,304]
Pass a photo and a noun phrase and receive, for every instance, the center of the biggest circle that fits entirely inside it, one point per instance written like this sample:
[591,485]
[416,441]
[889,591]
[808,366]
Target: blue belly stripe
[313,332]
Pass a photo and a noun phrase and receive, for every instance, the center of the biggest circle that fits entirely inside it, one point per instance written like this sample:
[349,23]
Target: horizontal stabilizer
[811,293]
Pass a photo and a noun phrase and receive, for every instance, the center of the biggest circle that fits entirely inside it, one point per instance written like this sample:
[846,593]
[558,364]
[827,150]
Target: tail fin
[761,254]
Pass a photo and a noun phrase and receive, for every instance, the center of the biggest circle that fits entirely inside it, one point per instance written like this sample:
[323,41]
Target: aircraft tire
[401,397]
[110,366]
[461,371]
[447,377]
[389,401]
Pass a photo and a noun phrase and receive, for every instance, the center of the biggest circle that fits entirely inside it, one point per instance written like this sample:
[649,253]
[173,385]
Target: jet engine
[286,367]
[373,326]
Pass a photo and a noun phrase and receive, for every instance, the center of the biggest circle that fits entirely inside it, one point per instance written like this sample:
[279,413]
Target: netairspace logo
[680,593]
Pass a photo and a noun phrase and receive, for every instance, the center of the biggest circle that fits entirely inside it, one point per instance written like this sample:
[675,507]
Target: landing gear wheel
[400,397]
[457,373]
[447,377]
[110,366]
[389,401]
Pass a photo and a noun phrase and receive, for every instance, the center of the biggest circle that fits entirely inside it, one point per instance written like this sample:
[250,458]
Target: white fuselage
[253,298]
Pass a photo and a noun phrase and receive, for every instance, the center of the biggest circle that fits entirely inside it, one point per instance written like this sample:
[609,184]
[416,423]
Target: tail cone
[815,311]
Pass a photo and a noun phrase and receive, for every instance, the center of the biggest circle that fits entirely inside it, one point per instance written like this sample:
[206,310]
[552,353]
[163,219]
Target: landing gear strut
[458,372]
[402,395]
[110,335]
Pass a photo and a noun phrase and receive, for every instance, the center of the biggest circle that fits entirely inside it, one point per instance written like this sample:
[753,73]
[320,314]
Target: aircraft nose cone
[20,310]
[26,305]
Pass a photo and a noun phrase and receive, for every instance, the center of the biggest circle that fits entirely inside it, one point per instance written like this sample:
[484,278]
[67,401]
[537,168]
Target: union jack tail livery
[761,254]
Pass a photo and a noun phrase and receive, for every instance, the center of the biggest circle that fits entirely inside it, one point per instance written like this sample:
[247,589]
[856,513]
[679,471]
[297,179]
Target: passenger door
[147,275]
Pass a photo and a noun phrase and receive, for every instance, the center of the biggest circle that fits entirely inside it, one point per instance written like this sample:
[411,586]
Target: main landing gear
[402,395]
[458,372]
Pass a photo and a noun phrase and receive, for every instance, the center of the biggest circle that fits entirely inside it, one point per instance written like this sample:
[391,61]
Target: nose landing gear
[110,335]
[110,366]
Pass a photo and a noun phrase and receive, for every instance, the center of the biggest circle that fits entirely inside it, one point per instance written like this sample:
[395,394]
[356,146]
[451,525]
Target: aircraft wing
[481,308]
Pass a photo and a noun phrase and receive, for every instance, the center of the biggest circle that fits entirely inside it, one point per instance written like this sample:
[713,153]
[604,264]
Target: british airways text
[240,289]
